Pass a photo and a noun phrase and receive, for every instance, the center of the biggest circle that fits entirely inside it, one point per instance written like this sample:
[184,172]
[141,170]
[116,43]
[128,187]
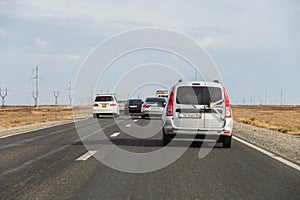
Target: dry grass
[14,116]
[285,119]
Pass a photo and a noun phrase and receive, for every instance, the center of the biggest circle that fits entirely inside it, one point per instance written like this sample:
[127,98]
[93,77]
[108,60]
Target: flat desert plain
[15,116]
[285,119]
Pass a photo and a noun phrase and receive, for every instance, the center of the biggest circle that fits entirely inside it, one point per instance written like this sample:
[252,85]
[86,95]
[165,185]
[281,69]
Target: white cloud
[42,42]
[212,41]
[2,32]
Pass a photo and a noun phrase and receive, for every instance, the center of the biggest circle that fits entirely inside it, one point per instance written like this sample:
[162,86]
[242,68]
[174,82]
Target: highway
[53,163]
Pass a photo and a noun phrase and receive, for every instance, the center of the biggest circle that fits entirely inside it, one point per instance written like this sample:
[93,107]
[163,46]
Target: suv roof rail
[216,81]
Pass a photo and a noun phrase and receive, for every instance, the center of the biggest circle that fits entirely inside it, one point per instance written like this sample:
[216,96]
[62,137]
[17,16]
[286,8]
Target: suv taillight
[95,104]
[170,106]
[113,104]
[228,113]
[146,106]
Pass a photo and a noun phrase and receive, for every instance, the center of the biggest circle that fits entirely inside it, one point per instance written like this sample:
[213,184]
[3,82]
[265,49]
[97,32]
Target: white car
[122,103]
[153,106]
[105,105]
[198,109]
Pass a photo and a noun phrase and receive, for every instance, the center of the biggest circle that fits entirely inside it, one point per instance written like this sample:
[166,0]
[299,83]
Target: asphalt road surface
[53,163]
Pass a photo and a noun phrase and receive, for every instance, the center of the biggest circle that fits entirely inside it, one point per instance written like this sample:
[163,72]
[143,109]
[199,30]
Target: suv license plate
[103,105]
[190,115]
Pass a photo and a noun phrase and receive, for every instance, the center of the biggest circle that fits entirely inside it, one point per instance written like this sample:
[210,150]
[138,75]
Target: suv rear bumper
[170,128]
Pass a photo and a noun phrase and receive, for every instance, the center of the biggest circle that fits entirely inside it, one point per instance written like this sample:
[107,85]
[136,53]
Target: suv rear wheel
[166,138]
[227,142]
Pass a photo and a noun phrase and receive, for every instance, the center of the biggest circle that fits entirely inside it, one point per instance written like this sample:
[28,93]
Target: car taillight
[170,106]
[113,104]
[227,105]
[95,104]
[146,106]
[139,106]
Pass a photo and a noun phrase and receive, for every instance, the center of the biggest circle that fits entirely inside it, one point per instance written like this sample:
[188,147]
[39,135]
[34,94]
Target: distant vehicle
[122,103]
[162,93]
[153,106]
[198,108]
[135,106]
[105,105]
[126,108]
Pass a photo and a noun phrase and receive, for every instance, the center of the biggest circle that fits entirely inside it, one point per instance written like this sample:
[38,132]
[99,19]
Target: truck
[162,93]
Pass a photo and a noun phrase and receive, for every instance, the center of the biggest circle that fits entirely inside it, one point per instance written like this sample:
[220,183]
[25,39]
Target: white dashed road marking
[135,120]
[87,155]
[127,125]
[115,134]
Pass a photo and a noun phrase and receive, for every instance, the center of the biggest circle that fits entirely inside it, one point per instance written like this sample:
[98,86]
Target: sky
[254,44]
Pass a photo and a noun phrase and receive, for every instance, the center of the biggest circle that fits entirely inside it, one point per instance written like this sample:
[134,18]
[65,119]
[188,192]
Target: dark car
[135,106]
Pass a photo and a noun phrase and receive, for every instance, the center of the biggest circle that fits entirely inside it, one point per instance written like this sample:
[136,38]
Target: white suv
[105,105]
[198,109]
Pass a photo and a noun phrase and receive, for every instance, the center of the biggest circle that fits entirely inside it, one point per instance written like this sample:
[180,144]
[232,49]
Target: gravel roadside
[285,145]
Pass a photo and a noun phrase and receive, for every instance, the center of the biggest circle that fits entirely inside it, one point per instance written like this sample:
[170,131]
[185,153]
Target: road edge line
[272,155]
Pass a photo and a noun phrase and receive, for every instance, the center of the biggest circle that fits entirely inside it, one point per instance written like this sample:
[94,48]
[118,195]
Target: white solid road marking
[87,155]
[280,159]
[127,125]
[135,120]
[115,134]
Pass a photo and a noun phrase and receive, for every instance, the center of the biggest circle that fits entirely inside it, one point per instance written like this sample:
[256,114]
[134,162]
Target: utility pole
[3,95]
[265,97]
[36,94]
[56,94]
[70,93]
[91,95]
[281,96]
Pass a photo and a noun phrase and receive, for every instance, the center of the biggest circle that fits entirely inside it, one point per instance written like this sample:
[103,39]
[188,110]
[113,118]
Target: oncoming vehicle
[200,109]
[105,105]
[153,107]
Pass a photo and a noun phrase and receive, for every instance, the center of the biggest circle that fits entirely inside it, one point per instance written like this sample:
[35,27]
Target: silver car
[198,109]
[153,107]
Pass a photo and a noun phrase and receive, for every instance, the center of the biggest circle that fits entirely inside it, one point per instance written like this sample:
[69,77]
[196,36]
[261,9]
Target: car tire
[166,138]
[115,115]
[95,115]
[143,116]
[226,142]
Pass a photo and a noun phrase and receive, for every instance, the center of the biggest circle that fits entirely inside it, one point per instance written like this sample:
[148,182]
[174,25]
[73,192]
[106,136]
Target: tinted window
[135,101]
[198,95]
[159,101]
[104,98]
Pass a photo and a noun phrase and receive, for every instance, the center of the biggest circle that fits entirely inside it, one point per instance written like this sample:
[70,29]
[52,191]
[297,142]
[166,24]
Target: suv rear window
[104,98]
[198,95]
